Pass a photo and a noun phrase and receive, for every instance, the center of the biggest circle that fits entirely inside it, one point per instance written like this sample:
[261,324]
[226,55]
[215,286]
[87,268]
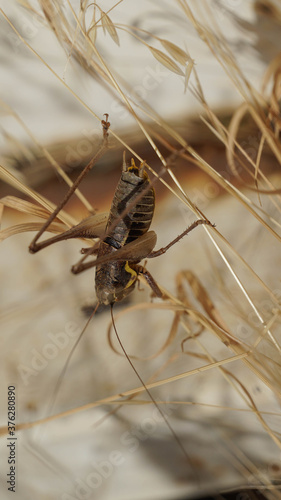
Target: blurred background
[193,87]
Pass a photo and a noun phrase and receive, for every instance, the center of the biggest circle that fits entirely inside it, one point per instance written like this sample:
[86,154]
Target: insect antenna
[60,379]
[148,392]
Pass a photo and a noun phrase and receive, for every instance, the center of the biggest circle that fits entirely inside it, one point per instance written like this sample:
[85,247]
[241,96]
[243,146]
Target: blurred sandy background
[54,91]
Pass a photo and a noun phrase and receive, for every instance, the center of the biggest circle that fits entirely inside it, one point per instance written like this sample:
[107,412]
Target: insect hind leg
[34,246]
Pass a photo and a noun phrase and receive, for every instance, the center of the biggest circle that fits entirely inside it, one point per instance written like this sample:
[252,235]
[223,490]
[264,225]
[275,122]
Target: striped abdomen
[138,219]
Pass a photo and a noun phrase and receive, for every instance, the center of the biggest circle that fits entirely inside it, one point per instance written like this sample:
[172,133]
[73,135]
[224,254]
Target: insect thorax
[114,280]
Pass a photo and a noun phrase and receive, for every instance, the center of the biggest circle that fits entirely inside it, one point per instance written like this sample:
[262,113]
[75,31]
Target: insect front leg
[34,246]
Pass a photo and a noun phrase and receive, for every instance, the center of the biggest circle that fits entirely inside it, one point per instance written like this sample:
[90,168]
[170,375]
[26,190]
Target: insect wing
[132,252]
[141,247]
[92,227]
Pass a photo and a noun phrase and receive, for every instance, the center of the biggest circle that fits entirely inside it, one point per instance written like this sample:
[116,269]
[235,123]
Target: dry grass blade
[28,226]
[227,137]
[108,26]
[27,208]
[13,181]
[188,71]
[176,52]
[272,69]
[203,297]
[24,206]
[92,31]
[165,60]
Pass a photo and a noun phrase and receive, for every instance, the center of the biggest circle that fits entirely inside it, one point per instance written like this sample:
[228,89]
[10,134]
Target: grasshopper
[124,236]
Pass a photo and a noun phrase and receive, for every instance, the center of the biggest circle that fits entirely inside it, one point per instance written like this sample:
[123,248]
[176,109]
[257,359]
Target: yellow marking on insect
[138,170]
[133,273]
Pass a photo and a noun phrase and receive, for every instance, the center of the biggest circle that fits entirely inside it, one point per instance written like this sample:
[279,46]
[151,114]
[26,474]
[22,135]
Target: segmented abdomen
[138,219]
